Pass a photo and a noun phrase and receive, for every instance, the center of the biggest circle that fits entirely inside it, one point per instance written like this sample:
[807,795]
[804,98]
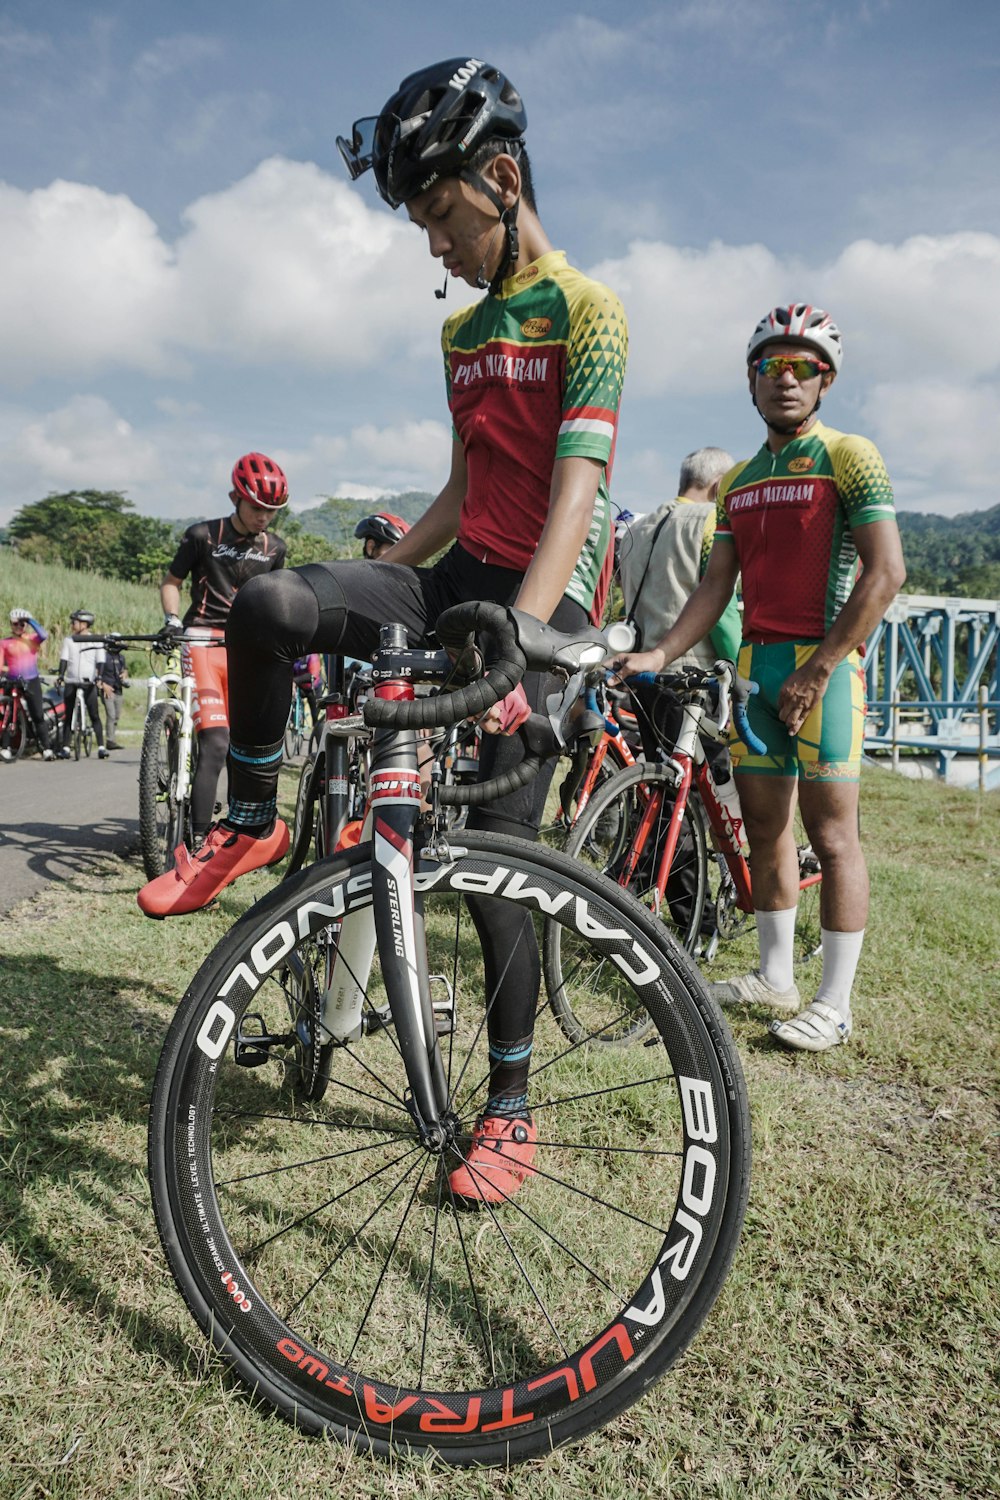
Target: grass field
[853,1352]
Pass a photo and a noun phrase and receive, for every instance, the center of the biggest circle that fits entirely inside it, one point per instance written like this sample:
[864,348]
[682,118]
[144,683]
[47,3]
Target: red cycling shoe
[499,1160]
[197,879]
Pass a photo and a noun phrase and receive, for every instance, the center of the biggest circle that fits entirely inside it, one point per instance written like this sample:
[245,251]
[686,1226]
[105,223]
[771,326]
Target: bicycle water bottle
[729,801]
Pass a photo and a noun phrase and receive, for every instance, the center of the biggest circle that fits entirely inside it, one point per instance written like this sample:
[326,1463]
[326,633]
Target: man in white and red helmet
[810,523]
[219,556]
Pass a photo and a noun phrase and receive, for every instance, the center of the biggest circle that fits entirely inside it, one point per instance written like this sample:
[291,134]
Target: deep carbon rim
[220,1141]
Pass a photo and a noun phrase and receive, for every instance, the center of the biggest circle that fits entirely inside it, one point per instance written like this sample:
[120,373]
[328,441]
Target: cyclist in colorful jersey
[19,661]
[533,372]
[80,662]
[219,557]
[800,519]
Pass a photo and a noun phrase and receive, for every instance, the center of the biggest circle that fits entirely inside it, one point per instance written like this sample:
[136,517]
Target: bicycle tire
[318,1283]
[88,738]
[601,838]
[162,820]
[14,723]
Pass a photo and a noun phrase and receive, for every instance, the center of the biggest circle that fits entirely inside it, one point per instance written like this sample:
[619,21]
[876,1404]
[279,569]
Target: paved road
[56,817]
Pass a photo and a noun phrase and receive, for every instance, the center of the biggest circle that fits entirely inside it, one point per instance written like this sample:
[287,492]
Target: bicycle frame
[180,699]
[691,768]
[393,918]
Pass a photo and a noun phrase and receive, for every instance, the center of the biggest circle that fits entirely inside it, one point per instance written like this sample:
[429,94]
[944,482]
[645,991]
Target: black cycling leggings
[212,747]
[338,608]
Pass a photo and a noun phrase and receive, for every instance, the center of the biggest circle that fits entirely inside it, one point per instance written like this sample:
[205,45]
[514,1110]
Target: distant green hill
[952,554]
[338,515]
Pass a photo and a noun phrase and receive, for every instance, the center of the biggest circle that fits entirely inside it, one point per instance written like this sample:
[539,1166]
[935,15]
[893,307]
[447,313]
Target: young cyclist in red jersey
[533,373]
[797,520]
[219,557]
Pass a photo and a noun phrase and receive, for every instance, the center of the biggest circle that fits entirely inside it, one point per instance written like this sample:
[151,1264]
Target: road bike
[315,1237]
[17,733]
[671,833]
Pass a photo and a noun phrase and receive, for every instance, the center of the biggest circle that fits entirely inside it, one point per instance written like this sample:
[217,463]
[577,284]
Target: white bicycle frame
[180,698]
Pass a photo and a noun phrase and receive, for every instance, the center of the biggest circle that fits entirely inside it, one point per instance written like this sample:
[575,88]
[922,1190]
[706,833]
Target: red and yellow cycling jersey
[535,374]
[791,516]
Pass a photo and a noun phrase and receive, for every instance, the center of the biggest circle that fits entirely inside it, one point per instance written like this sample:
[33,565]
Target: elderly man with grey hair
[663,558]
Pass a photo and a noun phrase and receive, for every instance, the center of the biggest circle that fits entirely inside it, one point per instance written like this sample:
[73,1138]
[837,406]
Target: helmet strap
[508,222]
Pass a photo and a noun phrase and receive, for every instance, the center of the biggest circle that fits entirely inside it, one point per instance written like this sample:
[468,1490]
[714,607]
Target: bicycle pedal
[444,1009]
[253,1049]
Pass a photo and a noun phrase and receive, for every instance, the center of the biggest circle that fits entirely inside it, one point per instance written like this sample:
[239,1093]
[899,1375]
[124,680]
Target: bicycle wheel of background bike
[13,724]
[602,839]
[162,822]
[317,1244]
[87,735]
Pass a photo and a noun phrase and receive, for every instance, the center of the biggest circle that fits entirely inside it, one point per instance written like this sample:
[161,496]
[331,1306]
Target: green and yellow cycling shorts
[828,746]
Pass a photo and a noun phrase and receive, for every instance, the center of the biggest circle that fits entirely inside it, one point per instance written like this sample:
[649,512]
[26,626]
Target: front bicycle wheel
[162,823]
[317,1243]
[625,819]
[14,724]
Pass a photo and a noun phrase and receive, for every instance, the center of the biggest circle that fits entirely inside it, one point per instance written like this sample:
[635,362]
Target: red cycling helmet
[258,479]
[382,527]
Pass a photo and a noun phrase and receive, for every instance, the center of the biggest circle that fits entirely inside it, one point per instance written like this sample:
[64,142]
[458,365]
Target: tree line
[99,531]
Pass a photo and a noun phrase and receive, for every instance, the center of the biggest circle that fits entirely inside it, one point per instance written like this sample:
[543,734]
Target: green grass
[52,592]
[853,1352]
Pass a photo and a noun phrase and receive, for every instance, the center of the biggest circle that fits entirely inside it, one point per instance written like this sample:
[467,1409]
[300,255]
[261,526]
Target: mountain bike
[317,1242]
[646,829]
[168,760]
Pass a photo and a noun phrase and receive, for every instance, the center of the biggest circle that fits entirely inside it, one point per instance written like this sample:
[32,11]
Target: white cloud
[180,466]
[909,308]
[946,442]
[285,267]
[414,455]
[86,283]
[85,444]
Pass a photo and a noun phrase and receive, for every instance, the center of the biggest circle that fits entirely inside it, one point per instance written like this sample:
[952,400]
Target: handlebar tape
[752,741]
[502,658]
[540,741]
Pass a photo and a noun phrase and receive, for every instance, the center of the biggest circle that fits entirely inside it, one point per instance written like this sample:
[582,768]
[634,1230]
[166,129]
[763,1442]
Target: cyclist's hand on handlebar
[632,662]
[172,625]
[507,716]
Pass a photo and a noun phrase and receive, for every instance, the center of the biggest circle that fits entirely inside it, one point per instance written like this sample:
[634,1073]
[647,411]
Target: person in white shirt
[79,661]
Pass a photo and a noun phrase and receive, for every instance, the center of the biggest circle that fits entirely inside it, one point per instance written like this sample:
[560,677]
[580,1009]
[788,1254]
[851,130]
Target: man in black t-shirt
[219,556]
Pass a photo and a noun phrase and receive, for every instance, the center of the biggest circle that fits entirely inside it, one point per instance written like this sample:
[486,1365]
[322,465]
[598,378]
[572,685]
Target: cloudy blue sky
[186,273]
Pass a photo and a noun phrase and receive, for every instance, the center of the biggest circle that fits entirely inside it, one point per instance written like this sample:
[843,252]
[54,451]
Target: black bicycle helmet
[83,615]
[431,126]
[383,526]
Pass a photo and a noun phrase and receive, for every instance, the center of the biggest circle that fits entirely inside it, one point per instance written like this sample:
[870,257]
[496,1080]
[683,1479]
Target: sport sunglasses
[775,365]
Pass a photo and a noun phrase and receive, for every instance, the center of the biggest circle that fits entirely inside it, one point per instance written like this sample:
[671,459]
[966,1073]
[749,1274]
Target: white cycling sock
[776,936]
[841,951]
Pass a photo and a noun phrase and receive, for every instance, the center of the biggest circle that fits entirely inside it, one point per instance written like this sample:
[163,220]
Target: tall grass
[852,1352]
[52,592]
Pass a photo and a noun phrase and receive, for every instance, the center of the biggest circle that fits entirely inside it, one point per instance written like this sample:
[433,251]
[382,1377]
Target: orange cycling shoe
[197,879]
[499,1160]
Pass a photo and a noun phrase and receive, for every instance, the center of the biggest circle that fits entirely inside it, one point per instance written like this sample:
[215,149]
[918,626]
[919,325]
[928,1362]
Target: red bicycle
[17,733]
[672,833]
